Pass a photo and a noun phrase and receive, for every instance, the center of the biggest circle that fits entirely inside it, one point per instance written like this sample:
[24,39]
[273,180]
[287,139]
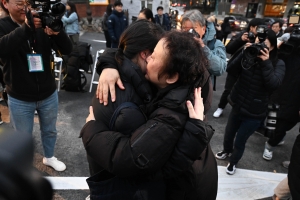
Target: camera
[251,37]
[50,13]
[293,43]
[195,34]
[254,50]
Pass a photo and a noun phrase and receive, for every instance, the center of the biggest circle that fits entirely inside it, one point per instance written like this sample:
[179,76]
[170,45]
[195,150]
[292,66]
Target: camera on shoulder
[50,12]
[253,51]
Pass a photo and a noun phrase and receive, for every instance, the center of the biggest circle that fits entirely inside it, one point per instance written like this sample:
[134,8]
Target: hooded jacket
[116,23]
[14,41]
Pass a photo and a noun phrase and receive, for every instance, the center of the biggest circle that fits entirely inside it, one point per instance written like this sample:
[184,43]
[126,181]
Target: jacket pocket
[137,139]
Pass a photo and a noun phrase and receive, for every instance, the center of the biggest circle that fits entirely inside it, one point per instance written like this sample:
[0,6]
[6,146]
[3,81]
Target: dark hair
[73,9]
[118,3]
[271,35]
[255,22]
[148,13]
[289,29]
[185,57]
[278,21]
[3,8]
[108,9]
[159,8]
[139,36]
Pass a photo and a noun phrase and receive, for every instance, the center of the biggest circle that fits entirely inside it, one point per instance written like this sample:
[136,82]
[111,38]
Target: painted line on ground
[245,184]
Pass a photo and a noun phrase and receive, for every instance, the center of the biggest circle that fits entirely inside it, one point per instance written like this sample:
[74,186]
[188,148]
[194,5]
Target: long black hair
[109,9]
[73,9]
[148,14]
[139,36]
[271,35]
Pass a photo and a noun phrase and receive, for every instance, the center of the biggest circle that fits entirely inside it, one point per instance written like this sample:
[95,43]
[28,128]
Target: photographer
[260,73]
[287,96]
[26,55]
[214,49]
[234,47]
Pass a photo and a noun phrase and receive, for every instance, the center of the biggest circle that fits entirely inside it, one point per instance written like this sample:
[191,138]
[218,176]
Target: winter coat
[235,43]
[217,55]
[117,23]
[166,22]
[20,83]
[104,22]
[159,145]
[71,24]
[293,173]
[258,79]
[288,94]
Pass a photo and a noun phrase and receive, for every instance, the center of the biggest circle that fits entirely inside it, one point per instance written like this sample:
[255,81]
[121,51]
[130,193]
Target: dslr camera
[50,12]
[254,50]
[251,37]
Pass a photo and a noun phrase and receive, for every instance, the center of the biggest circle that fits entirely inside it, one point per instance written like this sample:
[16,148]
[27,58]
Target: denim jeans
[239,128]
[22,116]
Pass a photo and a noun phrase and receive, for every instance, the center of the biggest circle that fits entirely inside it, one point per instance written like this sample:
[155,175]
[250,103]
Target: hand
[107,80]
[49,31]
[196,112]
[36,21]
[265,54]
[244,37]
[91,115]
[247,45]
[200,41]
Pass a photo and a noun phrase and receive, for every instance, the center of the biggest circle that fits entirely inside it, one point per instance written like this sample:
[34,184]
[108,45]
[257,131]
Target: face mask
[283,28]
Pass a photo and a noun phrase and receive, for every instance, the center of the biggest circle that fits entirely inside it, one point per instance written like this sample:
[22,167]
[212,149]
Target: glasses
[21,5]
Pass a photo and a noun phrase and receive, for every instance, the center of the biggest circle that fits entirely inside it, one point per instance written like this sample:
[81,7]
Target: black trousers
[282,126]
[107,38]
[230,81]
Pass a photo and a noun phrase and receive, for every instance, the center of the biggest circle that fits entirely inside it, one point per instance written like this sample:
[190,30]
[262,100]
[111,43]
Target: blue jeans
[22,116]
[239,128]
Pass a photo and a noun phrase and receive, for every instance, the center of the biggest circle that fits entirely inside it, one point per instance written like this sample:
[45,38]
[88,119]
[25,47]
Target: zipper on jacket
[148,129]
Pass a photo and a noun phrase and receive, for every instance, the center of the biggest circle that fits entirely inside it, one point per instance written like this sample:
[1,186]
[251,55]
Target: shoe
[222,155]
[54,163]
[218,112]
[1,99]
[286,164]
[280,143]
[1,122]
[230,169]
[268,153]
[88,198]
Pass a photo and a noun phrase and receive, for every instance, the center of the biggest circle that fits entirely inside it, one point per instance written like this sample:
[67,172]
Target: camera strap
[32,27]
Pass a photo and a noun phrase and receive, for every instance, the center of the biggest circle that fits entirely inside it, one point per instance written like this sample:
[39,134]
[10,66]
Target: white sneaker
[218,112]
[281,143]
[267,154]
[54,163]
[88,198]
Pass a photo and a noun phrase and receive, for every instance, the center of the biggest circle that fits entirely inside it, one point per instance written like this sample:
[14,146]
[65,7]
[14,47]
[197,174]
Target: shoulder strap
[117,111]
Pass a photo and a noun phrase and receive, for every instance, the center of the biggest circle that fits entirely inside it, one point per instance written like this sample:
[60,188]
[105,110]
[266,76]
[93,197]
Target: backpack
[85,57]
[80,58]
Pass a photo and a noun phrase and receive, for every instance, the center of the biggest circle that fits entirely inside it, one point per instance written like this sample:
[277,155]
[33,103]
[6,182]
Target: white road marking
[244,184]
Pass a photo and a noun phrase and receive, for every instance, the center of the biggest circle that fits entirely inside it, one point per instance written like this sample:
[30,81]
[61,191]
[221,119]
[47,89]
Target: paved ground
[73,109]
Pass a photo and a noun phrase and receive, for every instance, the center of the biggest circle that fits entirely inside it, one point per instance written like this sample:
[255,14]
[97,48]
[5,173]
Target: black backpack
[80,58]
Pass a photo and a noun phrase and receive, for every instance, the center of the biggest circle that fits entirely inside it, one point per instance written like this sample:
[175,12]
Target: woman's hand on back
[196,111]
[107,80]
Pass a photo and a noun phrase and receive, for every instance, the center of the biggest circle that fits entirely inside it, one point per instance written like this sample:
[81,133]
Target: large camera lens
[52,22]
[251,52]
[58,9]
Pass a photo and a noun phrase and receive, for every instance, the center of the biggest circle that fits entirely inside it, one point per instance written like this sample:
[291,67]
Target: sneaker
[286,164]
[268,154]
[54,163]
[280,143]
[230,169]
[222,155]
[88,198]
[218,112]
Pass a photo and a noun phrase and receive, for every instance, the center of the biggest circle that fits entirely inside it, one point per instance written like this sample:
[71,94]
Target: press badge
[35,63]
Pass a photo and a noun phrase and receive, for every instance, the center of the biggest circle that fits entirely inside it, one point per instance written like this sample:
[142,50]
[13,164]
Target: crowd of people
[147,135]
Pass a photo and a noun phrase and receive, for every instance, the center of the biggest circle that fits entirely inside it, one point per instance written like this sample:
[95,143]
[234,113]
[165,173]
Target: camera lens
[251,52]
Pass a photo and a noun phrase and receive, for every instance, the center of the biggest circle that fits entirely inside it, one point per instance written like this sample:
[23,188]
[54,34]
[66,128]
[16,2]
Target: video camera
[253,51]
[293,44]
[50,13]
